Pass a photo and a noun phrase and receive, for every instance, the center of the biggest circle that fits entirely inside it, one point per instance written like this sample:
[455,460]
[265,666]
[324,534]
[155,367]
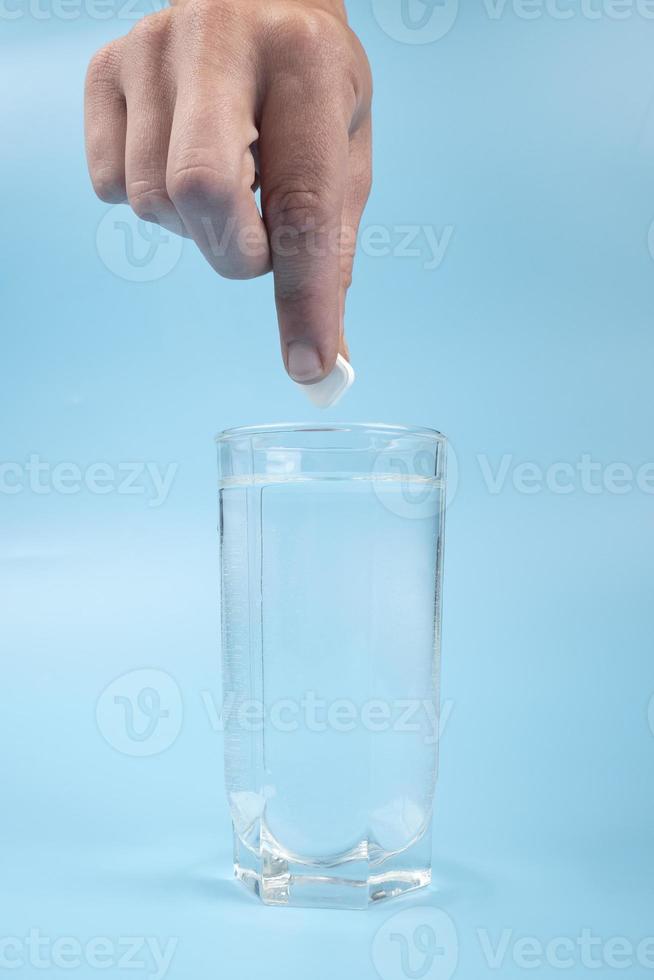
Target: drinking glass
[331,556]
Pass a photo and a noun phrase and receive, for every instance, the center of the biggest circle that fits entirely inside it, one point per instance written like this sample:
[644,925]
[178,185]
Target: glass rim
[382,428]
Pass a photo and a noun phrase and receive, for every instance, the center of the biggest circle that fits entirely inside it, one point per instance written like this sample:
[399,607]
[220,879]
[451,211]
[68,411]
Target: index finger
[303,147]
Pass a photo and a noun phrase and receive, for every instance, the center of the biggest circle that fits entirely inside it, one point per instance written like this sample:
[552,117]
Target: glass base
[353,883]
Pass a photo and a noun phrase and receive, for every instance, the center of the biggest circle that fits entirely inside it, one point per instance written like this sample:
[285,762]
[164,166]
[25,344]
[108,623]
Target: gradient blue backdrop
[529,145]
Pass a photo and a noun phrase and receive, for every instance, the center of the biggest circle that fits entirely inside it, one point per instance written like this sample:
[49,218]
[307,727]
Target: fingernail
[303,362]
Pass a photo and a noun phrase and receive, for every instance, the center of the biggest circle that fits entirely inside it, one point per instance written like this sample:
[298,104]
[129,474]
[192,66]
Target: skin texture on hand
[205,101]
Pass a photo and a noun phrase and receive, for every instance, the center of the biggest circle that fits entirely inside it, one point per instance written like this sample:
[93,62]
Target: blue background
[533,139]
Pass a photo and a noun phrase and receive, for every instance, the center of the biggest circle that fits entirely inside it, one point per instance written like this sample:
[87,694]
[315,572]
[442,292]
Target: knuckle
[150,31]
[202,19]
[110,190]
[148,203]
[242,273]
[316,40]
[108,187]
[312,31]
[194,184]
[299,208]
[104,66]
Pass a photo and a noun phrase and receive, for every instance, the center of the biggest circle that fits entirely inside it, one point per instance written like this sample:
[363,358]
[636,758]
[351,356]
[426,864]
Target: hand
[202,102]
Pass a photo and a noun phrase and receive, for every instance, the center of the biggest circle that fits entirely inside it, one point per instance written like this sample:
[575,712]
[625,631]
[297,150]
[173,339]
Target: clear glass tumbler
[331,551]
